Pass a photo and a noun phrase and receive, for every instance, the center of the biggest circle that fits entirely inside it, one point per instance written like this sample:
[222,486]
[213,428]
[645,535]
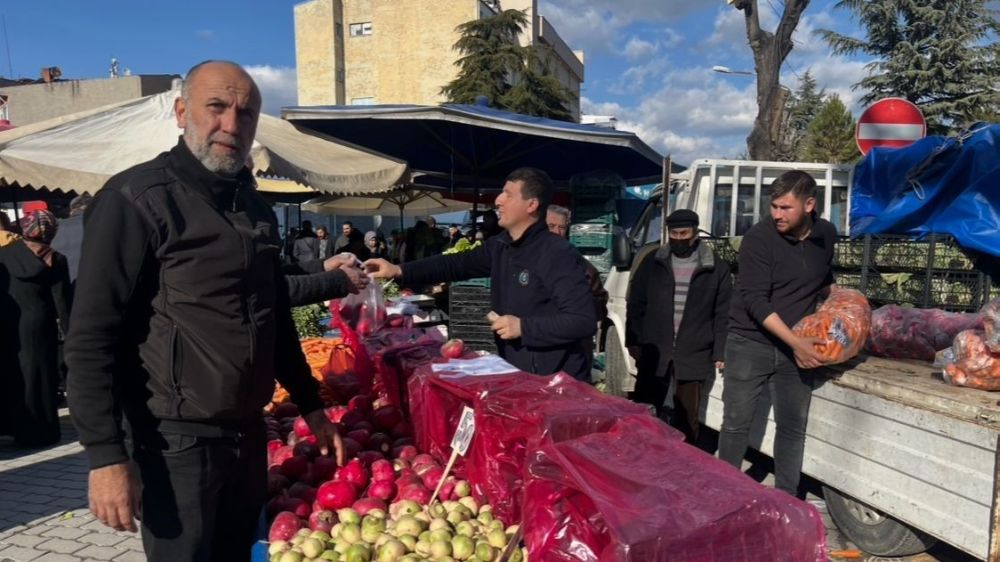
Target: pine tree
[512,77]
[491,53]
[939,54]
[830,136]
[537,92]
[801,108]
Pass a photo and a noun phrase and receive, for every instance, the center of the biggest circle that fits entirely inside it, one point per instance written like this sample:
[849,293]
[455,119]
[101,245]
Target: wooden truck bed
[894,435]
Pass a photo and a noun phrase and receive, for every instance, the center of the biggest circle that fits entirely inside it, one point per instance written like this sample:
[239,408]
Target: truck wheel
[873,531]
[615,368]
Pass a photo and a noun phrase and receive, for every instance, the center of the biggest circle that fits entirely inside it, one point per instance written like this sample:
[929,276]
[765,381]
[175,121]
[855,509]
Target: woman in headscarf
[375,246]
[34,295]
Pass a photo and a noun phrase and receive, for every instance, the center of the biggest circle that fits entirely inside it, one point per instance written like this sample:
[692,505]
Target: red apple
[453,349]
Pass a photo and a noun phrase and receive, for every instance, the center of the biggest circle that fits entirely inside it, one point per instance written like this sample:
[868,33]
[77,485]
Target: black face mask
[682,248]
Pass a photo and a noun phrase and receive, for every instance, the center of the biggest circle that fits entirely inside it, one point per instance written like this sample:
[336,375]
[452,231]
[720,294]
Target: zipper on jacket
[174,369]
[248,315]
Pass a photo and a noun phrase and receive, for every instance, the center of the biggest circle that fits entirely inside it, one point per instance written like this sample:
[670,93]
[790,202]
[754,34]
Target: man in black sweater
[539,288]
[183,323]
[784,269]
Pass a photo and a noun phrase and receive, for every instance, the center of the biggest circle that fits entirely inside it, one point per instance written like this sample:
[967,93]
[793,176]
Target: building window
[363,101]
[361,29]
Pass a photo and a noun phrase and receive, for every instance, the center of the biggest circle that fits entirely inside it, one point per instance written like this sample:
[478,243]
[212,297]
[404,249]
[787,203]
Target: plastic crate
[595,192]
[725,251]
[601,262]
[965,291]
[887,253]
[848,279]
[477,336]
[591,227]
[958,291]
[850,253]
[602,240]
[477,282]
[897,288]
[468,311]
[595,217]
[469,292]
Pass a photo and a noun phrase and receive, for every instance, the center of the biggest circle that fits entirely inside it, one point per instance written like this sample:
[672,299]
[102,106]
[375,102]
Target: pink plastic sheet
[635,493]
[593,477]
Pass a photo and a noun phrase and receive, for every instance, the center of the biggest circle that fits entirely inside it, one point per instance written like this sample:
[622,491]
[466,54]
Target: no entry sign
[891,122]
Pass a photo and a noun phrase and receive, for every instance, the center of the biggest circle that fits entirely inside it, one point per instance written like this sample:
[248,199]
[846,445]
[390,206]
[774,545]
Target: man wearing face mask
[677,317]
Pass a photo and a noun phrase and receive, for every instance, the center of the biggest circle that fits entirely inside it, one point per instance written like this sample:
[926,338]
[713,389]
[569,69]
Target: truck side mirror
[621,251]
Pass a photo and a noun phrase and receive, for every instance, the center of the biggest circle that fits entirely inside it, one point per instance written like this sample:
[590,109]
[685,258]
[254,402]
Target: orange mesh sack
[843,322]
[970,362]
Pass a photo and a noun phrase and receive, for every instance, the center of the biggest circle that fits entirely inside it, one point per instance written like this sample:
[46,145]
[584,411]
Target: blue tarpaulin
[945,185]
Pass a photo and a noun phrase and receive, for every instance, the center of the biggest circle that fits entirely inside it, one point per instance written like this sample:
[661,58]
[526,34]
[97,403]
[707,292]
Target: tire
[615,368]
[873,531]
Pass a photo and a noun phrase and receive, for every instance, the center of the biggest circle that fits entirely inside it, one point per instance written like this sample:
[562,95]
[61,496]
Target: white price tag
[463,434]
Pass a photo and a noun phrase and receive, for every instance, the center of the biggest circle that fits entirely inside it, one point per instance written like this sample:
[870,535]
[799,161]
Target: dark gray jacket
[702,335]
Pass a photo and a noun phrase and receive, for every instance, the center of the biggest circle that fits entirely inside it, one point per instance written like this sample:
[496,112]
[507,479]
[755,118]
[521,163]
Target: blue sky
[648,62]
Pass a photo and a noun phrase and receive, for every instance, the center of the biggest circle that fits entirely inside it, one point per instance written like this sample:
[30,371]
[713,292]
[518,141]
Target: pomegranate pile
[377,507]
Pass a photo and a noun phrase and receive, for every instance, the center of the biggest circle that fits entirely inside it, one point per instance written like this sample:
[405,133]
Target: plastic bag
[360,379]
[912,333]
[635,493]
[400,353]
[970,362]
[843,322]
[364,311]
[991,325]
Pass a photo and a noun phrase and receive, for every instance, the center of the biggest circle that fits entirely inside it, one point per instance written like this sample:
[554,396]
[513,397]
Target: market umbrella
[79,152]
[406,202]
[473,146]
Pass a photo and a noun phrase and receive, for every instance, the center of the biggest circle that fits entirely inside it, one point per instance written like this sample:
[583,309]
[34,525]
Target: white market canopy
[79,152]
[408,202]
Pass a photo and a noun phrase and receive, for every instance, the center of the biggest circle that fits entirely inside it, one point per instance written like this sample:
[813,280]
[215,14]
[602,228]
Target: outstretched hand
[327,435]
[383,269]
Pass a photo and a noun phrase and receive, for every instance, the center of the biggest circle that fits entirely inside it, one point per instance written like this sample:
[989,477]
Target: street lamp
[727,70]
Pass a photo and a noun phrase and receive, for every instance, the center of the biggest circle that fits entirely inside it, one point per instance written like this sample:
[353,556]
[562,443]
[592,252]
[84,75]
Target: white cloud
[636,79]
[277,86]
[689,113]
[637,48]
[598,25]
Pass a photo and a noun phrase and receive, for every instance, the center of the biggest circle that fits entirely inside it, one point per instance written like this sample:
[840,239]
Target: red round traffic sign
[890,122]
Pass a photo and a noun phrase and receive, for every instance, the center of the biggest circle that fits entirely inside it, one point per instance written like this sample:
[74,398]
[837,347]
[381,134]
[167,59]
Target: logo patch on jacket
[523,278]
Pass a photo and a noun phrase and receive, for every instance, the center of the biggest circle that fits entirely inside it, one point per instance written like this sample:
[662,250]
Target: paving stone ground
[44,515]
[43,508]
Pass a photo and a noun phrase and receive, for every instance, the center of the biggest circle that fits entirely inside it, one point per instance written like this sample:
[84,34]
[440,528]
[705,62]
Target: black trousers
[750,368]
[201,494]
[683,415]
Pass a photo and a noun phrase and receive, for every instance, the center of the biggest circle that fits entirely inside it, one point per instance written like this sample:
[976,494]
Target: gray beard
[225,165]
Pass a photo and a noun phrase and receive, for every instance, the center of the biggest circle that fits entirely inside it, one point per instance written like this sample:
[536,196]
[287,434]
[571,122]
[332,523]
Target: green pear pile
[443,532]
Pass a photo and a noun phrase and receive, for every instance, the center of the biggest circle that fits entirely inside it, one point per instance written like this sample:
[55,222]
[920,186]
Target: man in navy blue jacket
[539,285]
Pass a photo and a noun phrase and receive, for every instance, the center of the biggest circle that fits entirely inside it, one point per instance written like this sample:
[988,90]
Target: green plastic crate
[477,282]
[591,240]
